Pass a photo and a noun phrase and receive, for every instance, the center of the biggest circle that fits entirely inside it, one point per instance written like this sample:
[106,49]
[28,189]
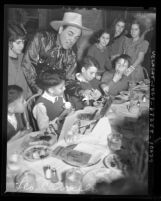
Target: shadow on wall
[83,45]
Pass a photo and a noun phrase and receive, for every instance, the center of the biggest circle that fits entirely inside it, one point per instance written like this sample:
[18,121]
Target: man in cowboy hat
[53,50]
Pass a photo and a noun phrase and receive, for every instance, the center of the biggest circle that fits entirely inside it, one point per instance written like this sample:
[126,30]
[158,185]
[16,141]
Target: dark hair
[15,32]
[97,35]
[50,78]
[122,56]
[87,62]
[114,25]
[120,186]
[14,93]
[141,26]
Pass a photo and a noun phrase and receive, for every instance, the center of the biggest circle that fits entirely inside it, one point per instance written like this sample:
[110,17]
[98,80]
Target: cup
[115,141]
[73,180]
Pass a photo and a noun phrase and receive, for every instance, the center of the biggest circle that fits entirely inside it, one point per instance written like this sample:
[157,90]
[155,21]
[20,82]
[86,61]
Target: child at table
[114,83]
[16,106]
[85,86]
[52,102]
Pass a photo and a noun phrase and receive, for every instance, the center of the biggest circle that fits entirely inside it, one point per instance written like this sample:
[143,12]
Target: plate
[112,161]
[41,139]
[97,175]
[37,152]
[78,158]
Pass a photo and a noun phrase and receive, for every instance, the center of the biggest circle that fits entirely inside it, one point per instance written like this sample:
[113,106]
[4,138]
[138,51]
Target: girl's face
[104,39]
[57,90]
[19,105]
[121,66]
[119,28]
[17,46]
[135,31]
[89,73]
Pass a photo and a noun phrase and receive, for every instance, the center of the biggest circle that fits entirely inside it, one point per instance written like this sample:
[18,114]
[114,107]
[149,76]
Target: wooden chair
[31,121]
[146,74]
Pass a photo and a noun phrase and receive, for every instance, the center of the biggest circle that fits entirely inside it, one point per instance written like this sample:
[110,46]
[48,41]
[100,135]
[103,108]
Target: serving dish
[36,152]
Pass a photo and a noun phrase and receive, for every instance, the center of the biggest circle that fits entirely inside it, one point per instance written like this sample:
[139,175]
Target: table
[45,186]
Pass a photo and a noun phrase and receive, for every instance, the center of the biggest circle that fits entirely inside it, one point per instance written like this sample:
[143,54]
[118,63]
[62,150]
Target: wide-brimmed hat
[70,18]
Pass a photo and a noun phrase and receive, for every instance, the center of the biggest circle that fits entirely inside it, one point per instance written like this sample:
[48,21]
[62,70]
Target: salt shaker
[54,176]
[47,171]
[144,98]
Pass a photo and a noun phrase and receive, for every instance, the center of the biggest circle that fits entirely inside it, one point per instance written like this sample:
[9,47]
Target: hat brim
[56,24]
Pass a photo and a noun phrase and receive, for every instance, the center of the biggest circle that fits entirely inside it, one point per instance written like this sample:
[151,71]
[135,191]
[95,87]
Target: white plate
[110,161]
[39,150]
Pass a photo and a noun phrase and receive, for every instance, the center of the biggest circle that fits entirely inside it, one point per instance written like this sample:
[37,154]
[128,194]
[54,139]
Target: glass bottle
[73,180]
[54,176]
[48,172]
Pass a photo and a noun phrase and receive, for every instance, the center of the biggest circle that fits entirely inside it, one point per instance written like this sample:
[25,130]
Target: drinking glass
[115,141]
[73,180]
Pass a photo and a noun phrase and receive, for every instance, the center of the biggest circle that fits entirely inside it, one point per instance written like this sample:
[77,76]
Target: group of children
[56,92]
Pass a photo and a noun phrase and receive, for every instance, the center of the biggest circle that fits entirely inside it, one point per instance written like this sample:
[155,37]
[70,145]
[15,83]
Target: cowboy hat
[70,18]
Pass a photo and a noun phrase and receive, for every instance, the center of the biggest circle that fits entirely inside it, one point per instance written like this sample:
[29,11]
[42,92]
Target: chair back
[31,121]
[146,74]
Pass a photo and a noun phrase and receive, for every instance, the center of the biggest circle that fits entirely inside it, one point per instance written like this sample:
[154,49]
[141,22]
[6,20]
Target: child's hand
[117,77]
[105,88]
[98,77]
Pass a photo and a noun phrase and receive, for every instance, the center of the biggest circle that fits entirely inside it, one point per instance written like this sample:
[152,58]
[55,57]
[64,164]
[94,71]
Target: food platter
[37,152]
[77,158]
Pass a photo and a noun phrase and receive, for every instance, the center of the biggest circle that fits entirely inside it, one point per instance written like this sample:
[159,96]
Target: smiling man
[56,50]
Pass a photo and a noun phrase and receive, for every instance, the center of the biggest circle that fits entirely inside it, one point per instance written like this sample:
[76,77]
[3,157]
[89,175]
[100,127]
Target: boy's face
[57,90]
[17,46]
[19,105]
[89,73]
[121,66]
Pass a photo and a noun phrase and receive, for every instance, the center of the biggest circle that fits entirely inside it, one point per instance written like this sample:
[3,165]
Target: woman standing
[100,50]
[136,47]
[16,44]
[118,38]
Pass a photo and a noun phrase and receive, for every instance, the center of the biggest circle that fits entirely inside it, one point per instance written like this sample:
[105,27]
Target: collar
[53,99]
[101,49]
[138,41]
[58,41]
[12,119]
[80,77]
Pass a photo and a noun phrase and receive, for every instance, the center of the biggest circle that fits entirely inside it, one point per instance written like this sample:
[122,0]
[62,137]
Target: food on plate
[36,153]
[41,139]
[112,161]
[134,109]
